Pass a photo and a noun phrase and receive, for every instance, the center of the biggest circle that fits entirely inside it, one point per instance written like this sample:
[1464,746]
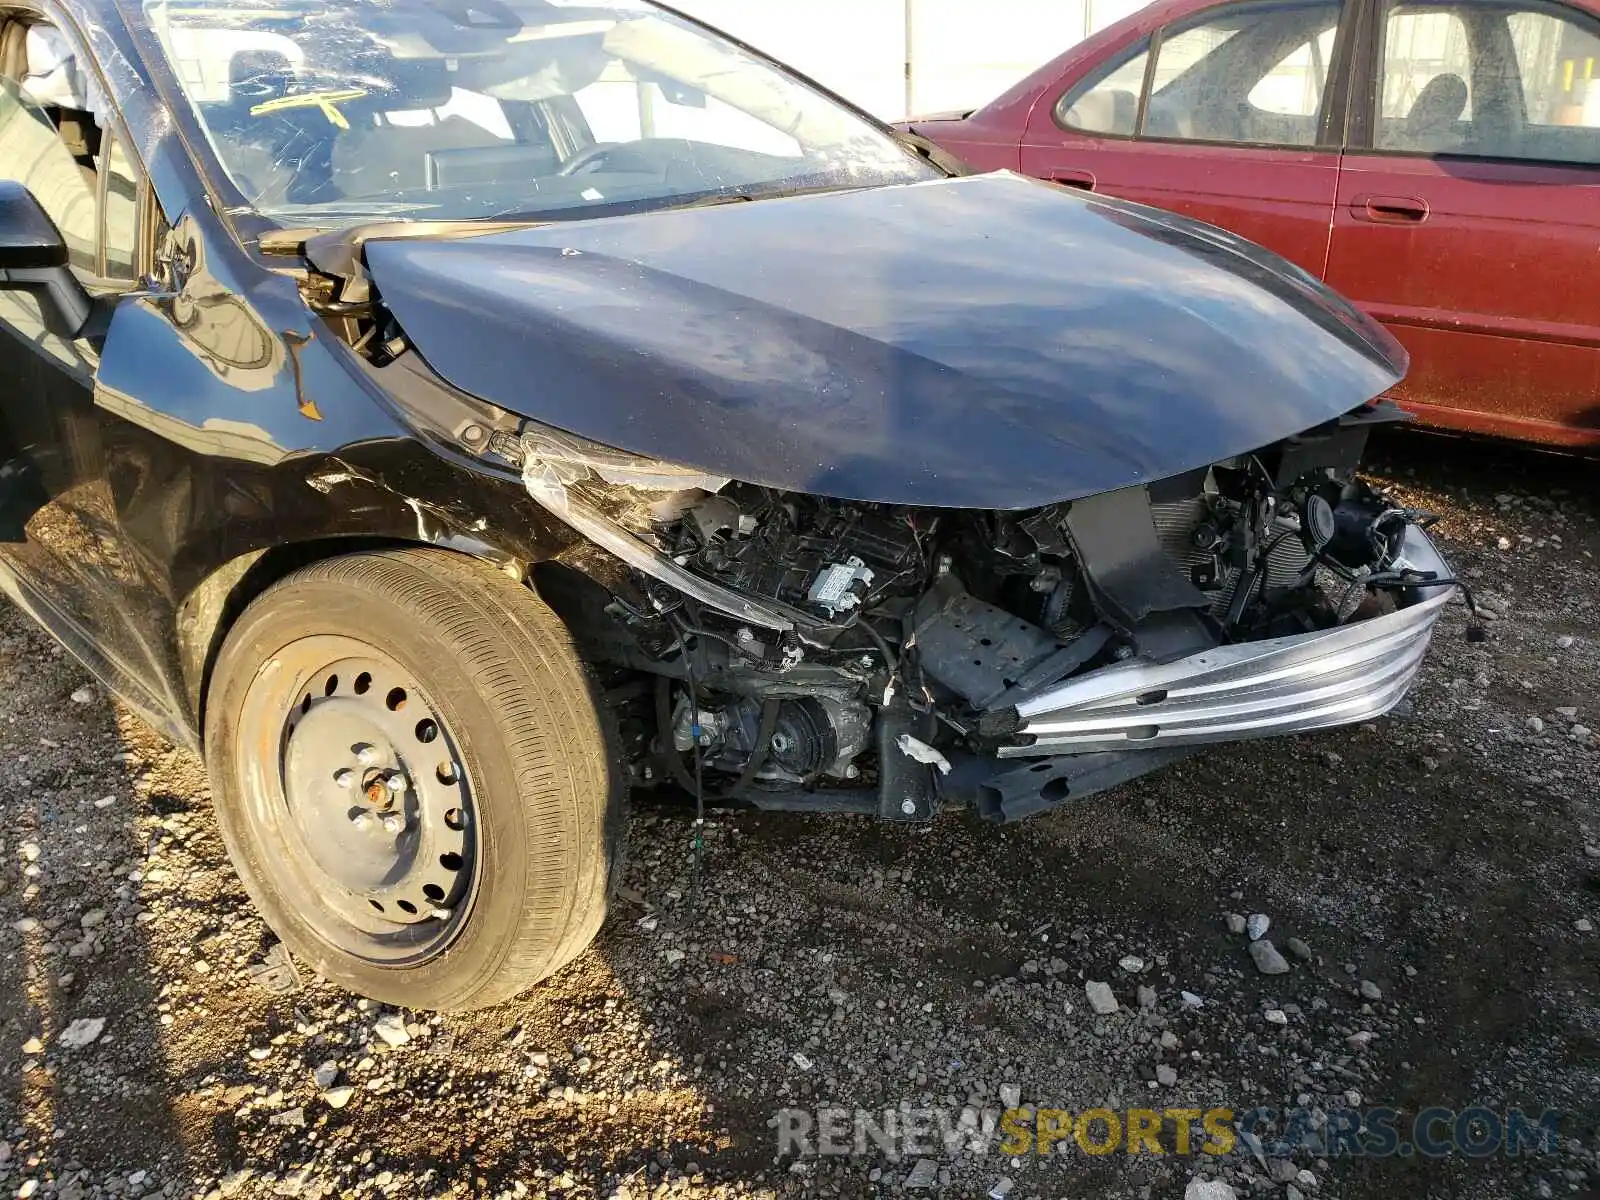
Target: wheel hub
[343,828]
[375,798]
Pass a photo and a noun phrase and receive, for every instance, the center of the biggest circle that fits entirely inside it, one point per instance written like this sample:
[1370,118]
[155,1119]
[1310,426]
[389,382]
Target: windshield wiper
[293,241]
[772,191]
[932,152]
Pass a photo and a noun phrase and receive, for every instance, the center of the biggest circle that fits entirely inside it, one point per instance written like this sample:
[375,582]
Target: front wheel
[414,777]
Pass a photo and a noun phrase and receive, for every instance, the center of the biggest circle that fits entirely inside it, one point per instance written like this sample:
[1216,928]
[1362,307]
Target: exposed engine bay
[804,648]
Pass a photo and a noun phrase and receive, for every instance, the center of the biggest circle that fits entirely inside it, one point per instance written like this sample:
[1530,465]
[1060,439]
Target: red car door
[1230,115]
[1468,215]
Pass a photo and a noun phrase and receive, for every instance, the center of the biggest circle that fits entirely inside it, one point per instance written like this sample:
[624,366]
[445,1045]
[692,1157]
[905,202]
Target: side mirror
[33,258]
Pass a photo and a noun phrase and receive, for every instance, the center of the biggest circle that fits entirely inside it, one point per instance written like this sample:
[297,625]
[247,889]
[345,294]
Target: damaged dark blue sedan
[448,415]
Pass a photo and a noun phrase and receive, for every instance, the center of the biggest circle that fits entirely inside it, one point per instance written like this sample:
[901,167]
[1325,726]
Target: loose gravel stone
[1267,959]
[1209,1189]
[1101,998]
[1256,927]
[924,1174]
[1370,990]
[391,1030]
[81,1032]
[1299,949]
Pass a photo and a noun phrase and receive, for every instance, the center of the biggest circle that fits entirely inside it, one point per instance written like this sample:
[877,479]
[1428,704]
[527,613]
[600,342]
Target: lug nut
[367,755]
[345,777]
[361,821]
[392,824]
[397,782]
[909,807]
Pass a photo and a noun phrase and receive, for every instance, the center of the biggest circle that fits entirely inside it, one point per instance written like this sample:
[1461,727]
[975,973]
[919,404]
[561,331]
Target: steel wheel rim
[362,800]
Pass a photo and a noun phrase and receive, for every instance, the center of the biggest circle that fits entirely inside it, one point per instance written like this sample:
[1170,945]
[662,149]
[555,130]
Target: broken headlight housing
[613,497]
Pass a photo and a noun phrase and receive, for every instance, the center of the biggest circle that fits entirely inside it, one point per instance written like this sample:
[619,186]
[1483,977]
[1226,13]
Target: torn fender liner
[985,342]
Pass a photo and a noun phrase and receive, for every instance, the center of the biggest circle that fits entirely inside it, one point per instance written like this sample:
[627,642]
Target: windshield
[338,113]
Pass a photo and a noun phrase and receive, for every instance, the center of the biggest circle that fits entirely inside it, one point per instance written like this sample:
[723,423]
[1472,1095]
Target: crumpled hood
[982,342]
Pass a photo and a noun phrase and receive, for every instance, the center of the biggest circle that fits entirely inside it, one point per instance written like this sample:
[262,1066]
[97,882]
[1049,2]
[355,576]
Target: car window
[1254,74]
[625,109]
[122,212]
[1108,101]
[343,112]
[1488,80]
[1294,87]
[33,153]
[51,141]
[1558,66]
[1427,81]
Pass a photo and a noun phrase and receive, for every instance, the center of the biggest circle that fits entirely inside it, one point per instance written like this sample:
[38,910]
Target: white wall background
[963,52]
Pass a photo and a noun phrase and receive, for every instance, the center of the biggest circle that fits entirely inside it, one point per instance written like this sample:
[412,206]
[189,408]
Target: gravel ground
[1438,872]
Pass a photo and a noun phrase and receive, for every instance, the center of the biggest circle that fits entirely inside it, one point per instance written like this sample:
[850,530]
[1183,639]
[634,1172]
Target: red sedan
[1437,162]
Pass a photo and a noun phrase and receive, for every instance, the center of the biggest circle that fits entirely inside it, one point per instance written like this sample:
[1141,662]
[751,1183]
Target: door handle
[1074,178]
[1390,210]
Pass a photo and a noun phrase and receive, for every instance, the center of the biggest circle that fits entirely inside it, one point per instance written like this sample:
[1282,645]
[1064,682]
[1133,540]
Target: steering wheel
[588,160]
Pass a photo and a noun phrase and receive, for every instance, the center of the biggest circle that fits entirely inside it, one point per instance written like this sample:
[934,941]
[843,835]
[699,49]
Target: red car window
[1108,101]
[1490,81]
[1250,74]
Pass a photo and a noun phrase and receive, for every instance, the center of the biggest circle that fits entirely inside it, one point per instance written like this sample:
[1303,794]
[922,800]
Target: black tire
[527,742]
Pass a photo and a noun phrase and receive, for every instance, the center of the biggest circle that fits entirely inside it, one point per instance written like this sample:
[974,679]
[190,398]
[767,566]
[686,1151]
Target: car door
[62,556]
[1232,116]
[1468,214]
